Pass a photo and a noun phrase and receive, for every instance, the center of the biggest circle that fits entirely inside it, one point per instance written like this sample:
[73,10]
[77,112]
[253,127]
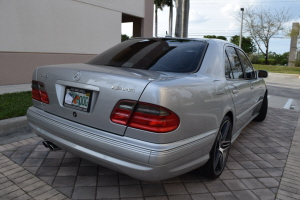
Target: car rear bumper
[139,159]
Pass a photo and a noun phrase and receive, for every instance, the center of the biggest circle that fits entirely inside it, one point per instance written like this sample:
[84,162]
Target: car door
[255,94]
[239,88]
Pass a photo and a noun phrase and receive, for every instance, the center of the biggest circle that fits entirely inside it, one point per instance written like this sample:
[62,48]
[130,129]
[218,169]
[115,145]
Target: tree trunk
[178,27]
[267,56]
[185,20]
[155,20]
[171,19]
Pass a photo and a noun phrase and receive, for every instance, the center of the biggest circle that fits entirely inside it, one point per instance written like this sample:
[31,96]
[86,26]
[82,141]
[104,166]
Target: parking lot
[261,165]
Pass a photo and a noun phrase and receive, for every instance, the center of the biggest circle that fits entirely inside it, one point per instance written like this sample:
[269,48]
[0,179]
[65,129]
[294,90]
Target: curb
[13,123]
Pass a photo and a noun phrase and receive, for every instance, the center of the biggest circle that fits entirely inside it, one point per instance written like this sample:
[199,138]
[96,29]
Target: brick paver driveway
[254,169]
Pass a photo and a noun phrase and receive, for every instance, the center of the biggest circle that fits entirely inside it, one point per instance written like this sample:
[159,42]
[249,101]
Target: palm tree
[182,18]
[159,4]
[169,3]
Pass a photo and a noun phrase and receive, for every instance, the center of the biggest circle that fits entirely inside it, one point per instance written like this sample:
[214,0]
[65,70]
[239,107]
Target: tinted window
[249,72]
[235,63]
[228,72]
[170,55]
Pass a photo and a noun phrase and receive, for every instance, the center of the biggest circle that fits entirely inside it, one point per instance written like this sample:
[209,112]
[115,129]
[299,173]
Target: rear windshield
[157,54]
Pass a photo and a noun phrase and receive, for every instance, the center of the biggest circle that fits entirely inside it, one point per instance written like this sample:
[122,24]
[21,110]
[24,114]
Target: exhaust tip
[46,144]
[53,147]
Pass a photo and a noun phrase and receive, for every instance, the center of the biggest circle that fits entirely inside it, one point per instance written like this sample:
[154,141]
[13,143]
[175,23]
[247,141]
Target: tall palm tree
[182,18]
[159,4]
[169,3]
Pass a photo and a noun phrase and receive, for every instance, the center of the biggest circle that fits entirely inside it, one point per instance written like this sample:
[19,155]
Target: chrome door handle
[235,91]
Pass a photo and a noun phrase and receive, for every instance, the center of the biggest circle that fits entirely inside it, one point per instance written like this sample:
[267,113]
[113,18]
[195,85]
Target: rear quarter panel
[200,102]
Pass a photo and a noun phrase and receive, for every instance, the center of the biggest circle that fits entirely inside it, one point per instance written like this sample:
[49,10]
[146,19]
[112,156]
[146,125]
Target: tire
[220,150]
[263,110]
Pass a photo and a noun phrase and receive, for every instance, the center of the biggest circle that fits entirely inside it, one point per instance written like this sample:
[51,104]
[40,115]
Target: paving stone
[127,180]
[241,173]
[263,164]
[87,163]
[47,171]
[34,186]
[71,162]
[29,181]
[248,164]
[269,182]
[227,174]
[289,194]
[23,197]
[108,180]
[58,197]
[40,190]
[51,162]
[153,190]
[253,184]
[234,184]
[13,171]
[6,184]
[65,190]
[258,173]
[41,148]
[88,171]
[206,196]
[67,171]
[216,186]
[47,195]
[18,174]
[8,190]
[172,180]
[84,193]
[32,162]
[174,188]
[273,171]
[264,194]
[180,197]
[190,177]
[3,180]
[128,191]
[64,181]
[32,170]
[224,195]
[245,195]
[86,181]
[13,195]
[107,192]
[233,165]
[157,198]
[105,171]
[56,154]
[196,187]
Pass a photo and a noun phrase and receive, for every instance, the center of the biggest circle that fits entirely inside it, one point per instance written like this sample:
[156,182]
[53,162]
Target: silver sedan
[152,108]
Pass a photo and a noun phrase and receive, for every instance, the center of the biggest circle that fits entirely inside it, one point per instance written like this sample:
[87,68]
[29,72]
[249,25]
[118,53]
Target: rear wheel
[263,110]
[220,150]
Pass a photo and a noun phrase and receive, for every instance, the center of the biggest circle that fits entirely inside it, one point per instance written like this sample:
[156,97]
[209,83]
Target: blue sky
[217,17]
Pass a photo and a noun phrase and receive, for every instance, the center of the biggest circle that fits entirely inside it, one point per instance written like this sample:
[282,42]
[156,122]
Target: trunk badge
[77,76]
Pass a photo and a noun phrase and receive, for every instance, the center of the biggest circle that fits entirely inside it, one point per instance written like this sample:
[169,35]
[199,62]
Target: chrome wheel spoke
[225,145]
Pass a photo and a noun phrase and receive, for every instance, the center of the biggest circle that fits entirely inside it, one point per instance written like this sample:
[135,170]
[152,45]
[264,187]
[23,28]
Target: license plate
[78,99]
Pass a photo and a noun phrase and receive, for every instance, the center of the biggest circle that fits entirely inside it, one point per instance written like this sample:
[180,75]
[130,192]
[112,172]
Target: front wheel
[220,150]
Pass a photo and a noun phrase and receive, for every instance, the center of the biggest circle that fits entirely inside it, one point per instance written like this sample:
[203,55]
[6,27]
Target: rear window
[156,54]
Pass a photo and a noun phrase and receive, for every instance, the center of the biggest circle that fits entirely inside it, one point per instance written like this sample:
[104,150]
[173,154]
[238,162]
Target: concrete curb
[13,123]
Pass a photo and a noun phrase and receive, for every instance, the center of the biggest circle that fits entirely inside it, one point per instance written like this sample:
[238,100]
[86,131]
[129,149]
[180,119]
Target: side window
[249,72]
[235,63]
[228,71]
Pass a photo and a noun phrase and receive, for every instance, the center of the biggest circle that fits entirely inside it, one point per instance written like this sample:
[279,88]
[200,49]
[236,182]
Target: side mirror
[262,74]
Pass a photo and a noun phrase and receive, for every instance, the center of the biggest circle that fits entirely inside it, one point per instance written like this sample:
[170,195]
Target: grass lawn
[278,69]
[14,104]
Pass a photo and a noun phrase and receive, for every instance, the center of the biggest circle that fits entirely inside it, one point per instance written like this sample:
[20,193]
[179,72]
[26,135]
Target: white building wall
[59,26]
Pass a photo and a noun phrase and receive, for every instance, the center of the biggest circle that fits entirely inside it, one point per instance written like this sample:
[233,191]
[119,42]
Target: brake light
[39,92]
[145,116]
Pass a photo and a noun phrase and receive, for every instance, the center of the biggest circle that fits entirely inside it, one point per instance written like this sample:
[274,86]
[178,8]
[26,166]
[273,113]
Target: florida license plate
[78,99]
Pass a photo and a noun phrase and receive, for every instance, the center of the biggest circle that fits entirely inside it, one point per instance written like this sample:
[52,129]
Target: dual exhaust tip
[51,146]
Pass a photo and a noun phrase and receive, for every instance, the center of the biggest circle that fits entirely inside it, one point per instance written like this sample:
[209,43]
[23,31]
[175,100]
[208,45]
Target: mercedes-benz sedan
[152,108]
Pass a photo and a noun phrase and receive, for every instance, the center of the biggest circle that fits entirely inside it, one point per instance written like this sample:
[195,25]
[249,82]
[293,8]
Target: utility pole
[241,34]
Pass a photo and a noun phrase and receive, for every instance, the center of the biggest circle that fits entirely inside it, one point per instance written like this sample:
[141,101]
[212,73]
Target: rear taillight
[38,92]
[145,116]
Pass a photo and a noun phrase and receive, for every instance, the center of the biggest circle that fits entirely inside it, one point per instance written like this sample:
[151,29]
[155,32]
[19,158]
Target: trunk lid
[102,86]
